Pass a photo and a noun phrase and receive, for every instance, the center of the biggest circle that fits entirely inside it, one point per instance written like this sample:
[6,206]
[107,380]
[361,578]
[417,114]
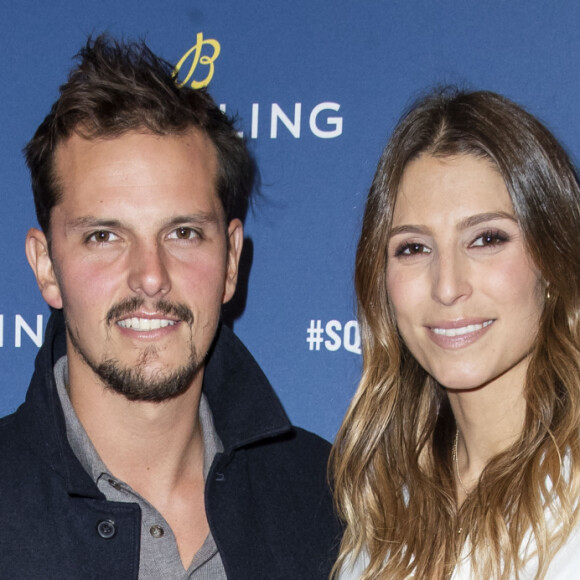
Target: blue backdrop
[318,87]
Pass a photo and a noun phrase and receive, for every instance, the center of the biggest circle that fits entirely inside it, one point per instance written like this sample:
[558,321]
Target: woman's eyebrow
[468,222]
[479,218]
[409,229]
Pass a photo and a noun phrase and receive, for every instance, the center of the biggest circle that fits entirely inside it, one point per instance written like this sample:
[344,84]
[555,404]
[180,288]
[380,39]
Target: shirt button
[107,529]
[156,531]
[115,484]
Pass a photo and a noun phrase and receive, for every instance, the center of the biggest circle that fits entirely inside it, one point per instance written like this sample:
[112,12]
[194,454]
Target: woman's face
[466,295]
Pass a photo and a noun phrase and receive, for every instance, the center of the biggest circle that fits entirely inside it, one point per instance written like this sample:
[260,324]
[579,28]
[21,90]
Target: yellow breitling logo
[195,52]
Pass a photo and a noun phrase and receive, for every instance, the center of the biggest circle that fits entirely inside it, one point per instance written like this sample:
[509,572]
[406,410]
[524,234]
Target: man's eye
[102,237]
[183,233]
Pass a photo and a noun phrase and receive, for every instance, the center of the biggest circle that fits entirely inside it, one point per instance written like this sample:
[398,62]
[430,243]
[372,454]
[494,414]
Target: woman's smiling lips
[458,333]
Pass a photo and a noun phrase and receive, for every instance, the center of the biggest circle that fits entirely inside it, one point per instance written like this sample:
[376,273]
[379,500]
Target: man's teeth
[462,330]
[144,324]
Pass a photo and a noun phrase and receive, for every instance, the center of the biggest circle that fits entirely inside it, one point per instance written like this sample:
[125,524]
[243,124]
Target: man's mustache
[131,305]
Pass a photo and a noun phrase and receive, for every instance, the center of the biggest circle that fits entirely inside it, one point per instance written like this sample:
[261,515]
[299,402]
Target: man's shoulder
[279,488]
[297,443]
[295,458]
[306,443]
[15,446]
[7,422]
[26,451]
[25,470]
[10,433]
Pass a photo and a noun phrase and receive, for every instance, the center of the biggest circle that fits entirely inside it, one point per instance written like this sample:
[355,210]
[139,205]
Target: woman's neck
[489,420]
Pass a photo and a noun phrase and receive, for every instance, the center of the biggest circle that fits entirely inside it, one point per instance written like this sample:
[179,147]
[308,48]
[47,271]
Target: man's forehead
[84,141]
[137,159]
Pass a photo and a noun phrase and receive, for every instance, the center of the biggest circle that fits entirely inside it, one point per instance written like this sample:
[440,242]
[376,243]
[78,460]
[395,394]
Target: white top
[354,570]
[564,566]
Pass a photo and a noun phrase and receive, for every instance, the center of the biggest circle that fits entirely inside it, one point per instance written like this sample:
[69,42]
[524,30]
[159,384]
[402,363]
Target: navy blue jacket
[267,501]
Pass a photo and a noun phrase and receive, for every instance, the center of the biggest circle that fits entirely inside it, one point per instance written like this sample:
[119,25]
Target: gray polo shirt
[159,554]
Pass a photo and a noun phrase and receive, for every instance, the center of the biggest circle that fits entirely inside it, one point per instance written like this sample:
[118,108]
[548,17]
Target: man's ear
[41,263]
[235,242]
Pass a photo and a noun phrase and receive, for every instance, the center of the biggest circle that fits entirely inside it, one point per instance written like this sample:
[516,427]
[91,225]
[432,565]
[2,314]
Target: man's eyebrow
[200,218]
[468,222]
[89,222]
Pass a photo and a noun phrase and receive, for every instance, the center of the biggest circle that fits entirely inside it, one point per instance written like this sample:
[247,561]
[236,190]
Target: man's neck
[153,447]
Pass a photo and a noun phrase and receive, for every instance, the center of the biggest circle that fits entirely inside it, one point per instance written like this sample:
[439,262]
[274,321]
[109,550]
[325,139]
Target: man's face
[139,259]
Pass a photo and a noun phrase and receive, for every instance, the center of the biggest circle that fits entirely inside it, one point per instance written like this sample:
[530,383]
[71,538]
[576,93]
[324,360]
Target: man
[150,444]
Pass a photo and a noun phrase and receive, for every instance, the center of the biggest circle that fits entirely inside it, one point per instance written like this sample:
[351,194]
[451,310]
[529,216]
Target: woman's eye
[183,233]
[490,238]
[102,237]
[412,249]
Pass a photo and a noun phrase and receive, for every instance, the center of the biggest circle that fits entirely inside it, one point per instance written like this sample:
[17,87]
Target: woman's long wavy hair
[392,459]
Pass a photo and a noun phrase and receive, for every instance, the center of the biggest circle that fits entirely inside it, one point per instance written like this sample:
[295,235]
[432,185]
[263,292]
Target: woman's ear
[38,254]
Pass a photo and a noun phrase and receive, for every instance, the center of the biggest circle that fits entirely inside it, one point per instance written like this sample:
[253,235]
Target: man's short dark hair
[119,87]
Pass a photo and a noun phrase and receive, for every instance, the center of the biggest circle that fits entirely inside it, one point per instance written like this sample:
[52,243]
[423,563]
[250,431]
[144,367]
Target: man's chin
[146,384]
[148,378]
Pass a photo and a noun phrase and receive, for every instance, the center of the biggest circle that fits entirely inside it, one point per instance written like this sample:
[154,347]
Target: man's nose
[148,273]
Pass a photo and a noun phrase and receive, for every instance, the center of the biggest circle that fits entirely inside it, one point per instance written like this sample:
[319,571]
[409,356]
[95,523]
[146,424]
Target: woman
[459,456]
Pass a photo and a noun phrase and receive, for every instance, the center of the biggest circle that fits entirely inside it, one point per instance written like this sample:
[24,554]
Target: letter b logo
[198,58]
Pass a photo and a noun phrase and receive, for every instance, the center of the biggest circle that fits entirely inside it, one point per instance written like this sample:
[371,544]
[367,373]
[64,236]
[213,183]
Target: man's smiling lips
[458,333]
[145,324]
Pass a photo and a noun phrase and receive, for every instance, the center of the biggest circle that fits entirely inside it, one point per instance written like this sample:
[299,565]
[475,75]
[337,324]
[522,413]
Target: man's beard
[132,382]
